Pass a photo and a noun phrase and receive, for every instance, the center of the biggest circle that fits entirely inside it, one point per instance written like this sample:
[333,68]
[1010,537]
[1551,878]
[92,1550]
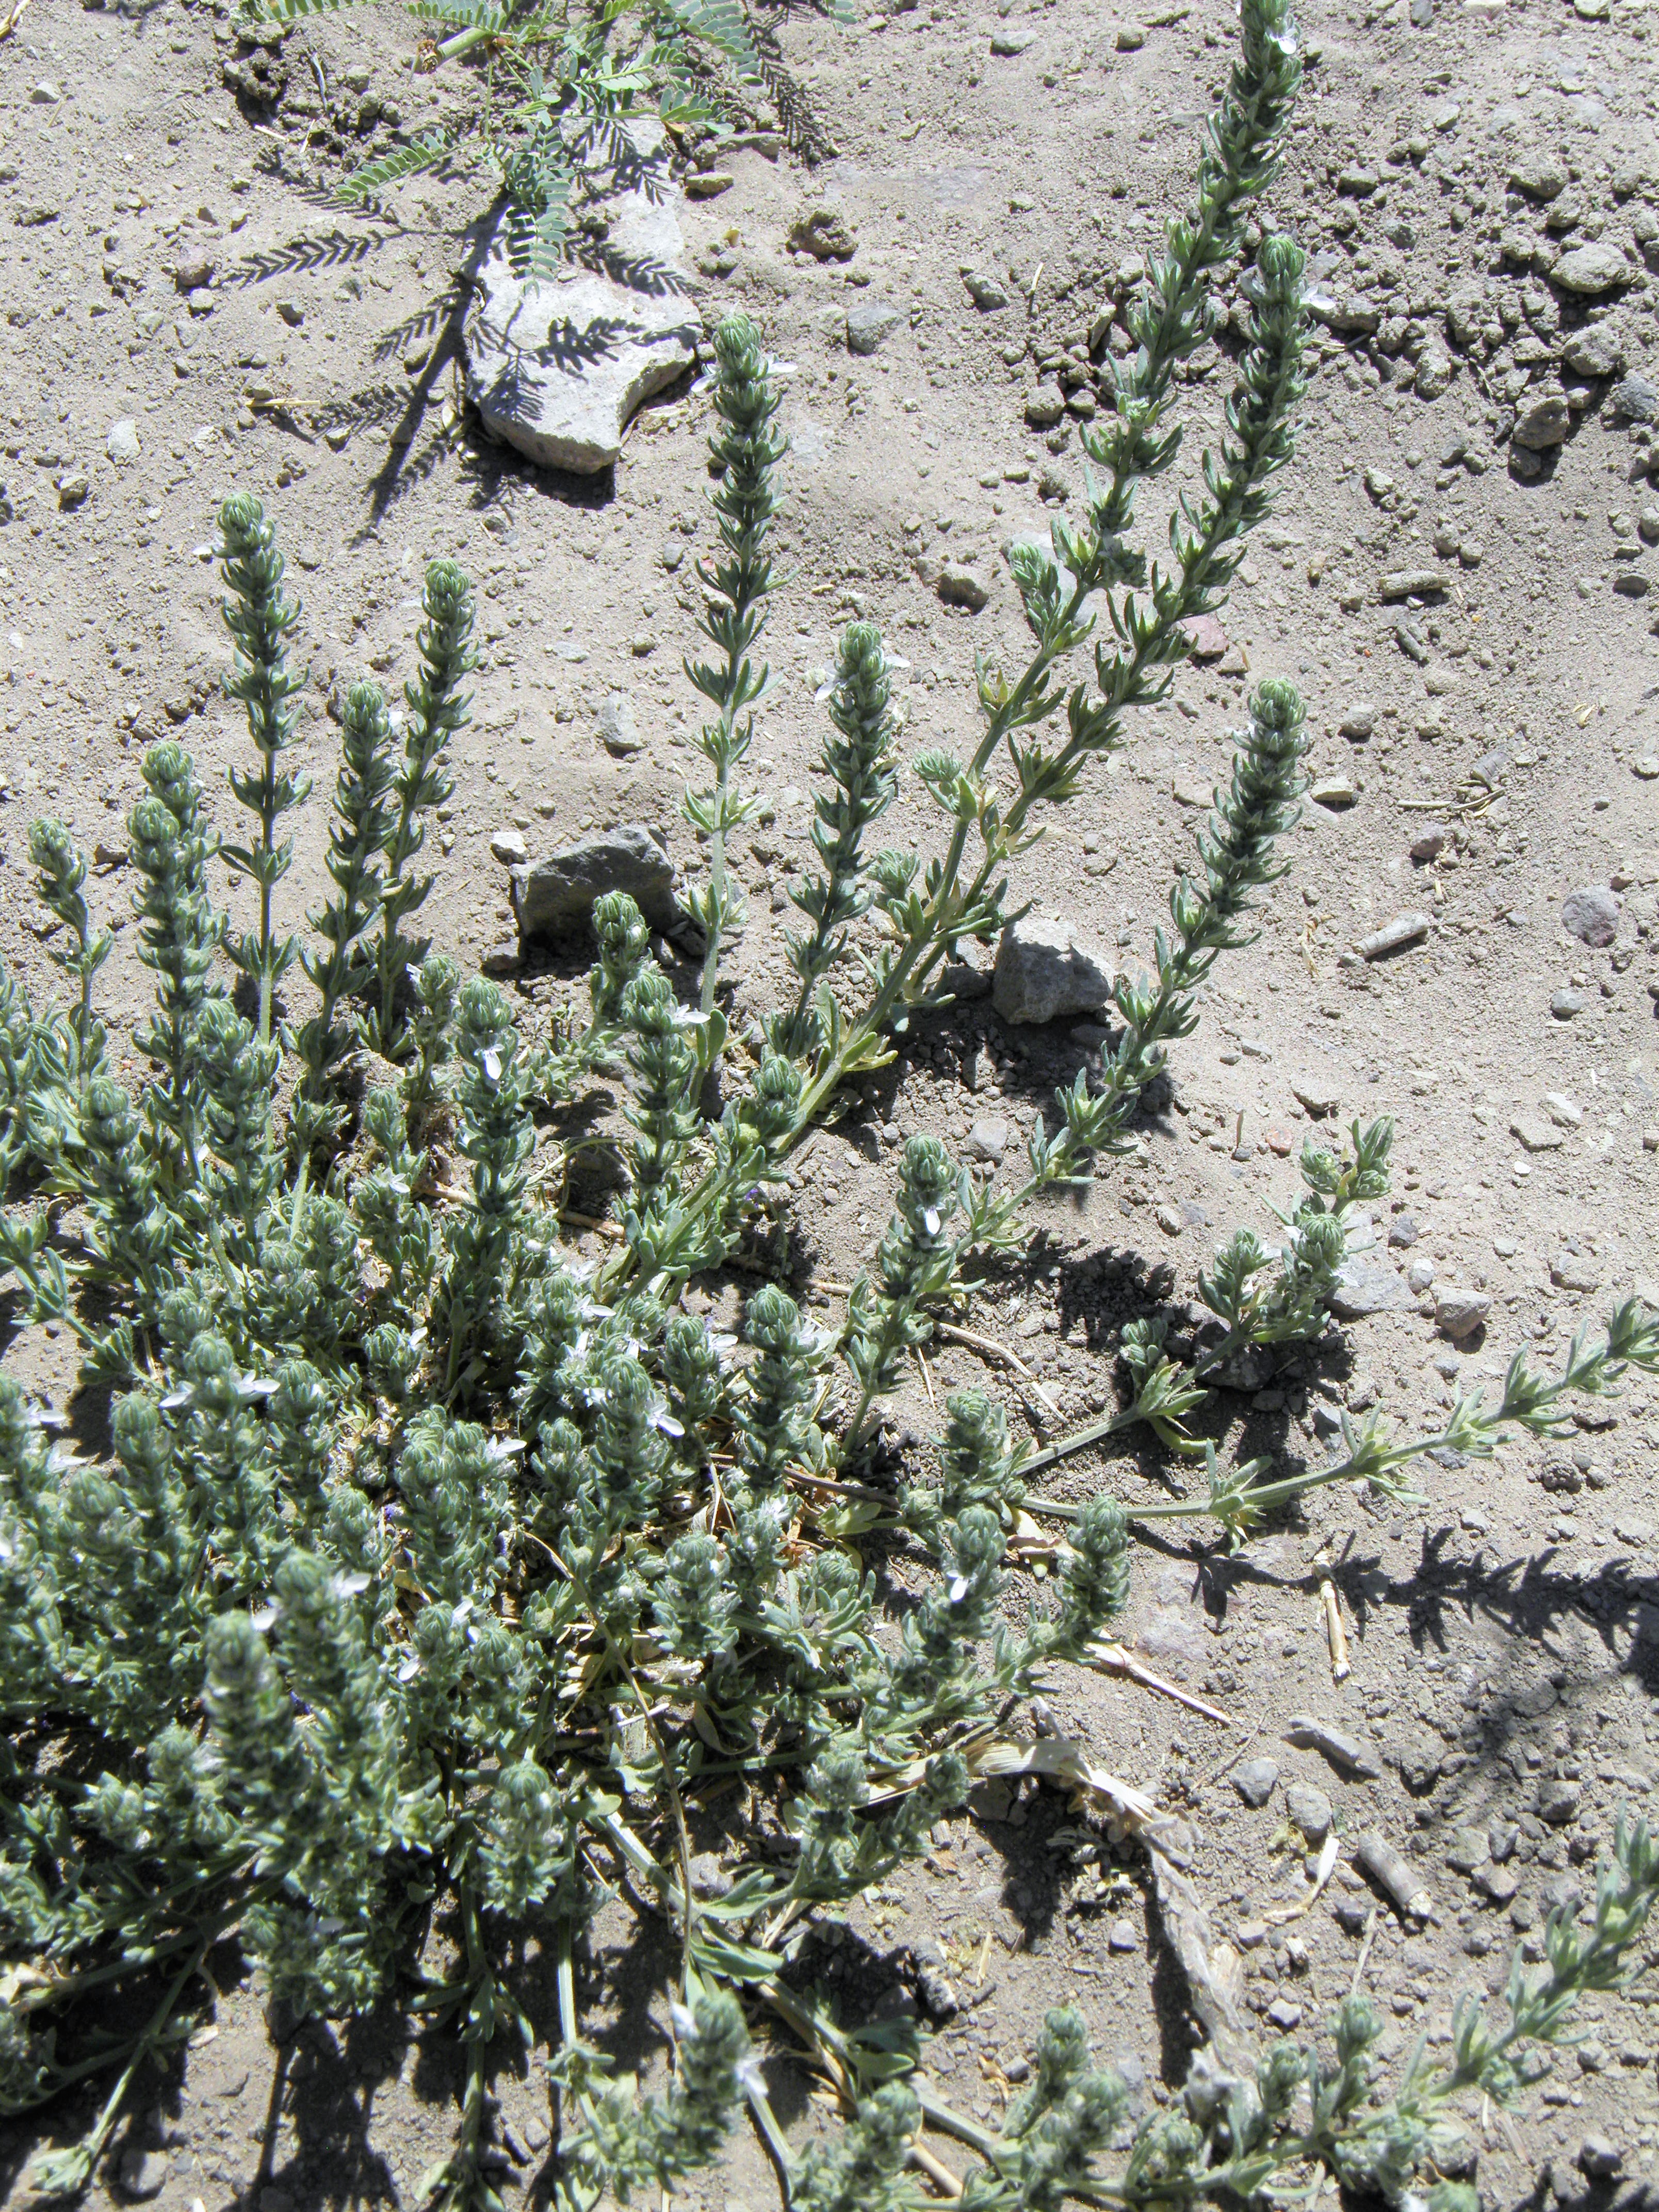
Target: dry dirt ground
[1504,1634]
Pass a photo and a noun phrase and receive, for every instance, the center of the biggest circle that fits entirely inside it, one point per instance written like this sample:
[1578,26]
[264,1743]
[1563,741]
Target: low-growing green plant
[434,1570]
[554,86]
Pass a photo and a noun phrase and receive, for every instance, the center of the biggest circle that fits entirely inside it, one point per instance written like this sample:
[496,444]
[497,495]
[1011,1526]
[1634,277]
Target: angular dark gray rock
[554,898]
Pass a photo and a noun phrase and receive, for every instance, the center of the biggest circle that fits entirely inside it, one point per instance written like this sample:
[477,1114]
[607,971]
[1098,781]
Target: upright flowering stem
[746,450]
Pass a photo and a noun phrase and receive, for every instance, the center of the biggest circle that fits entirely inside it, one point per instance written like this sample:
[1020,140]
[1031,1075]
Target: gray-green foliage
[554,92]
[434,1566]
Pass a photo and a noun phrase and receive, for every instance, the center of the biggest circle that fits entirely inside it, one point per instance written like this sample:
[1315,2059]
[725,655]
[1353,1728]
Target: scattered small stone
[1646,766]
[1045,407]
[1467,1850]
[1544,424]
[1534,1135]
[1360,722]
[1310,1809]
[1599,2160]
[1497,1883]
[505,957]
[192,272]
[1634,398]
[1591,271]
[1596,350]
[1284,2013]
[1434,373]
[121,442]
[1344,1750]
[1539,178]
[1412,584]
[1045,971]
[1122,1937]
[1565,1112]
[1568,1272]
[708,183]
[1564,1004]
[509,848]
[1337,792]
[1255,1781]
[143,2173]
[987,292]
[1591,915]
[617,728]
[73,486]
[870,323]
[1404,929]
[1559,1802]
[988,1139]
[1420,1275]
[1131,38]
[1403,1233]
[1205,639]
[1458,1313]
[960,587]
[1319,1095]
[1429,844]
[1008,44]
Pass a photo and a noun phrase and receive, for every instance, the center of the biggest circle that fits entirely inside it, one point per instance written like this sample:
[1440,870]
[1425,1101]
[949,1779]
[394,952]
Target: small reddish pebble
[1279,1141]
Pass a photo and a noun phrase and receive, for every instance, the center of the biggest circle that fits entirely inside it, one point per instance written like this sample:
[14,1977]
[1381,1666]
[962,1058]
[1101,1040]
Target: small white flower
[685,2020]
[958,1590]
[669,1425]
[348,1585]
[491,1064]
[749,2078]
[264,1617]
[409,1668]
[930,1221]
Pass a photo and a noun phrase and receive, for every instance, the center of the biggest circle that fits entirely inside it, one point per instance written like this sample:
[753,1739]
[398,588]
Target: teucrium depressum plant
[434,1568]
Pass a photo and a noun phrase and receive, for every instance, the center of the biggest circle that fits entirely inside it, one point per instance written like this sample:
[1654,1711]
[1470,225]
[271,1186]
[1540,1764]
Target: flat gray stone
[121,442]
[557,369]
[1592,270]
[1534,1135]
[1367,1285]
[1046,972]
[1256,1780]
[870,323]
[1591,915]
[555,897]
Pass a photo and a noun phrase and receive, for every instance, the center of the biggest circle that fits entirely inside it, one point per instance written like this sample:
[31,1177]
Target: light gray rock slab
[558,369]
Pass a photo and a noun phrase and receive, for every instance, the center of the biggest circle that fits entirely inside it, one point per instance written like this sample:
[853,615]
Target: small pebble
[1256,1780]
